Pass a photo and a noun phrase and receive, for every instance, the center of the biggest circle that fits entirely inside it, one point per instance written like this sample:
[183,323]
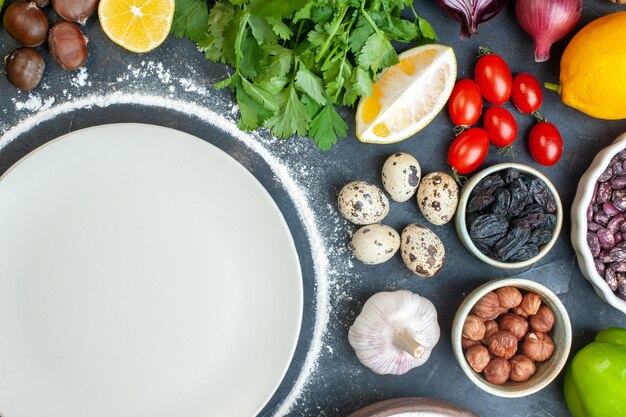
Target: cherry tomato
[494,78]
[468,150]
[546,144]
[527,94]
[500,126]
[466,103]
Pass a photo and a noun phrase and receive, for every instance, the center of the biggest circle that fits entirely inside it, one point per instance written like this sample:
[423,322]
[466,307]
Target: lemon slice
[137,25]
[407,96]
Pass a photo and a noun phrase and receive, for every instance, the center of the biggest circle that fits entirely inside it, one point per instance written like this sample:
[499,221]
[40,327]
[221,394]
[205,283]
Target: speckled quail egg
[437,197]
[401,176]
[422,251]
[362,203]
[375,243]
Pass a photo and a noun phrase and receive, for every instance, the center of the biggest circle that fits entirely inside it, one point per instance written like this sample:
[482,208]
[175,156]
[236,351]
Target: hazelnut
[488,307]
[543,320]
[522,368]
[538,346]
[518,310]
[514,324]
[473,328]
[531,303]
[503,344]
[468,343]
[478,357]
[498,371]
[509,297]
[491,327]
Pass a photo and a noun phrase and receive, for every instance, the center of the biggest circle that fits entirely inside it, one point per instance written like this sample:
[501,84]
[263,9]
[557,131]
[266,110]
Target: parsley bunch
[295,60]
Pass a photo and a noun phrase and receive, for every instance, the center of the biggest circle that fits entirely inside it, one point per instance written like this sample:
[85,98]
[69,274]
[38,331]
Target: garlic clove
[395,332]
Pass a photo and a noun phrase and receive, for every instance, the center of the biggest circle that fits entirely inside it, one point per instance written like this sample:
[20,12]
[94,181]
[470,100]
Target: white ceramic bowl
[561,334]
[461,225]
[579,222]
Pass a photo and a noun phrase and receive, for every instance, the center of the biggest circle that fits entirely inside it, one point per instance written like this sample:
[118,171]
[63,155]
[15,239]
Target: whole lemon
[593,69]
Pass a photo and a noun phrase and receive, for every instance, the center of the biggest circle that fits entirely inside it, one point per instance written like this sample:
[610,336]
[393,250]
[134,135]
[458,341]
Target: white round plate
[143,273]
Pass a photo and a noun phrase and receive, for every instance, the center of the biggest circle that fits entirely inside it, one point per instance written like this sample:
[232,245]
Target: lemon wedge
[137,25]
[407,96]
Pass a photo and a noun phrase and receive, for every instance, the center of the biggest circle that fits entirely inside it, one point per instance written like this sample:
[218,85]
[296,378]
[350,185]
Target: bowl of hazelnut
[511,337]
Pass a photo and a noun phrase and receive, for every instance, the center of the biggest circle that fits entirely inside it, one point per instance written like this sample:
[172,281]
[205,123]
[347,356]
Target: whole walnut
[503,344]
[522,368]
[488,307]
[498,371]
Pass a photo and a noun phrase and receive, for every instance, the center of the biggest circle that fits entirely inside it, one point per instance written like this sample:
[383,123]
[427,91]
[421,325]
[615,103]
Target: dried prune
[489,183]
[520,198]
[540,237]
[512,242]
[542,195]
[529,250]
[480,202]
[531,221]
[488,228]
[511,175]
[485,248]
[503,199]
[549,222]
[530,209]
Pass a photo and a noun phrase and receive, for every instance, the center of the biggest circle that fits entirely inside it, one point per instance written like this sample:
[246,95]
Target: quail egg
[437,197]
[401,176]
[362,203]
[422,251]
[375,243]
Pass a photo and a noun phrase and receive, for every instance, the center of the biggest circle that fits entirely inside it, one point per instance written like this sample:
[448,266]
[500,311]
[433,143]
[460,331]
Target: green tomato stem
[553,87]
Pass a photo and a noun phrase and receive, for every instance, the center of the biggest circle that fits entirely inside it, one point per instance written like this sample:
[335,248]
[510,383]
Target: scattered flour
[81,78]
[323,233]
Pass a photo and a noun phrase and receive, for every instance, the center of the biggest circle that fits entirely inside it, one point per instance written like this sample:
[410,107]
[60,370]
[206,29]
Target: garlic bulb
[395,332]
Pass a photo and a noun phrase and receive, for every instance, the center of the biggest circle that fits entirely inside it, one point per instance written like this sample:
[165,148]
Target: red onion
[471,13]
[547,21]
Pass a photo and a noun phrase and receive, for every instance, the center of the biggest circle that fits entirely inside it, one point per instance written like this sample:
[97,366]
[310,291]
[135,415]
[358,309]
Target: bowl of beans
[599,224]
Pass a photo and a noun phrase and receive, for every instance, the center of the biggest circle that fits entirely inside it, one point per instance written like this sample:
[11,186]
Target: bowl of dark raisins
[599,224]
[509,215]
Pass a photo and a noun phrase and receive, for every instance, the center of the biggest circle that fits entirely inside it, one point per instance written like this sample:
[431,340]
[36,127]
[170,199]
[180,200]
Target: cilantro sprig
[295,61]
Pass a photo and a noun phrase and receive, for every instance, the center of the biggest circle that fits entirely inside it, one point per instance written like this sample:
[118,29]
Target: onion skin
[547,21]
[471,13]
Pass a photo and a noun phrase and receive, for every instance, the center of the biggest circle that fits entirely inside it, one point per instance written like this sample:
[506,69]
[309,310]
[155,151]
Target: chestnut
[26,23]
[24,68]
[75,10]
[68,45]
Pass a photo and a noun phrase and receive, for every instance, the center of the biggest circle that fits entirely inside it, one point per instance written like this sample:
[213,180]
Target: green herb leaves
[296,60]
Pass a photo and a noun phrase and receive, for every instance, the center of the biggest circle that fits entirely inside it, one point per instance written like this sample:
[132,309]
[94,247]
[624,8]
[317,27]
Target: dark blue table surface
[339,384]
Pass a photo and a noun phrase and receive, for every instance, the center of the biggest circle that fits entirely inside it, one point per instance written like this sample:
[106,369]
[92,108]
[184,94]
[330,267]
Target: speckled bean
[618,182]
[610,276]
[605,257]
[601,218]
[609,209]
[607,240]
[616,223]
[604,193]
[618,167]
[618,266]
[597,208]
[590,212]
[593,227]
[594,244]
[618,238]
[618,199]
[600,266]
[621,286]
[622,155]
[617,254]
[606,175]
